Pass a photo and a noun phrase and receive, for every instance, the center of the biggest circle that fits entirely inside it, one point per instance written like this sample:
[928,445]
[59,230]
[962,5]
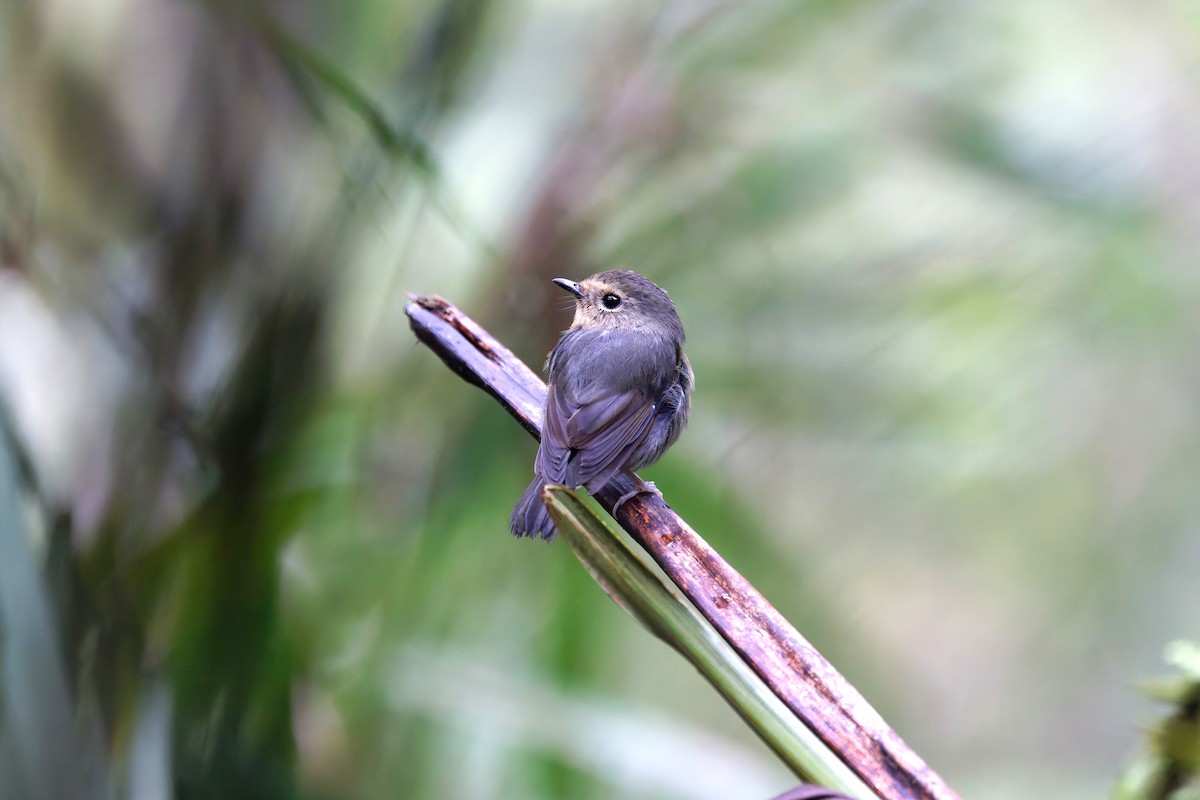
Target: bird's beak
[570,286]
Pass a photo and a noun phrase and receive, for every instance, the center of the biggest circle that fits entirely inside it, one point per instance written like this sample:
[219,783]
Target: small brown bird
[619,392]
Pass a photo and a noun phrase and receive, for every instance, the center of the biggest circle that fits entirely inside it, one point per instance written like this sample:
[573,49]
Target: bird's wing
[590,443]
[554,451]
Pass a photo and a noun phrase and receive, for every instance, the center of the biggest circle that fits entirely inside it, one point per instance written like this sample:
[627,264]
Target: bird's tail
[530,517]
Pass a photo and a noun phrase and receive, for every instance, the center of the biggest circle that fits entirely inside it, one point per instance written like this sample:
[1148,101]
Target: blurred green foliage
[1171,767]
[936,266]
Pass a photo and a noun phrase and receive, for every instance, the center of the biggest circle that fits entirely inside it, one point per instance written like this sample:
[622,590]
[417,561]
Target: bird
[619,392]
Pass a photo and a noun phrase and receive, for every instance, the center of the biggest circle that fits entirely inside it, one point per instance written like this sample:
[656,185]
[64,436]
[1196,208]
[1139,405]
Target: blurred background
[937,266]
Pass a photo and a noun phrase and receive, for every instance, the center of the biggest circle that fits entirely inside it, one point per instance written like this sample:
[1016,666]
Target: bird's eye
[610,301]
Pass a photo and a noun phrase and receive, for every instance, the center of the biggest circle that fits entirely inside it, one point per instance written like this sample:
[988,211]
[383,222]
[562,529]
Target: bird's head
[620,299]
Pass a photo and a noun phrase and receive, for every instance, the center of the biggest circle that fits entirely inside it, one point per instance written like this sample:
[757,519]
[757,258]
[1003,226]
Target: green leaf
[639,587]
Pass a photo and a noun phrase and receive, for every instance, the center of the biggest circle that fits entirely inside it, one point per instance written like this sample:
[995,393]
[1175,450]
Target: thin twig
[790,666]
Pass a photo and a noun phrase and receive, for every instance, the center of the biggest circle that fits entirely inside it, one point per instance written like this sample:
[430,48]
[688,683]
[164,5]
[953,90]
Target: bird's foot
[643,487]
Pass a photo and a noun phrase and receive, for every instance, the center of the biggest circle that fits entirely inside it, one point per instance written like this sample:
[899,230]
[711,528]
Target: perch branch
[793,669]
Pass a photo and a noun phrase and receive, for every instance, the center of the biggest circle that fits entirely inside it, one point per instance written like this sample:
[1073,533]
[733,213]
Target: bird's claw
[643,487]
